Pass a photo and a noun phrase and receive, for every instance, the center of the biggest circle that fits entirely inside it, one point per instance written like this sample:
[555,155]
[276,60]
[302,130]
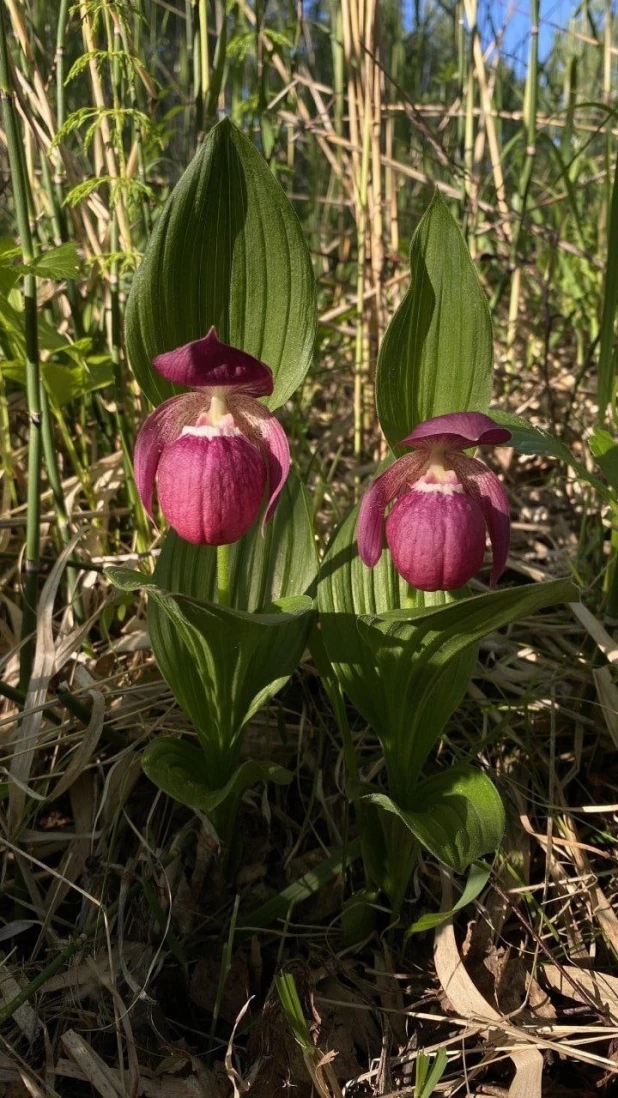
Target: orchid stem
[223,575]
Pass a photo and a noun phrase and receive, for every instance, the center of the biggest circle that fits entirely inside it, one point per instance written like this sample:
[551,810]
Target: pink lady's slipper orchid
[215,451]
[446,504]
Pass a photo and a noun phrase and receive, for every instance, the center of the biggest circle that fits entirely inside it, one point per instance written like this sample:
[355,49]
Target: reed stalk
[33,390]
[520,198]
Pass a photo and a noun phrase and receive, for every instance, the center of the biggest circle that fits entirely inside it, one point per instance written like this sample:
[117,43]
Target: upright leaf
[347,591]
[227,250]
[437,353]
[415,657]
[223,664]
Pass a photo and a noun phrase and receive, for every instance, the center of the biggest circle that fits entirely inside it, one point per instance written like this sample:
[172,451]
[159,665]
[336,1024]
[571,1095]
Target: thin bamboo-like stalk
[520,199]
[470,182]
[61,28]
[489,123]
[204,62]
[109,152]
[361,232]
[142,531]
[20,195]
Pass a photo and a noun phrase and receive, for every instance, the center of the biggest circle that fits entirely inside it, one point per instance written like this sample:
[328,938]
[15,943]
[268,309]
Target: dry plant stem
[490,128]
[362,198]
[504,896]
[20,195]
[108,146]
[521,198]
[204,62]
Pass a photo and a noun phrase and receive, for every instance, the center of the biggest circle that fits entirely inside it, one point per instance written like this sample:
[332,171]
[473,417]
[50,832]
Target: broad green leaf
[437,353]
[604,449]
[264,567]
[181,770]
[347,588]
[58,263]
[527,439]
[477,879]
[224,664]
[458,815]
[227,250]
[415,657]
[65,381]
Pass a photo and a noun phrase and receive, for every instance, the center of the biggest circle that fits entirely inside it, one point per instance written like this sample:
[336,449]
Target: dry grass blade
[466,1000]
[28,732]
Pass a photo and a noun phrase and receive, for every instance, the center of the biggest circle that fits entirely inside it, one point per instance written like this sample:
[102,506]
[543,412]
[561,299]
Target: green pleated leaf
[420,664]
[437,353]
[346,589]
[181,770]
[227,250]
[224,664]
[604,449]
[477,879]
[458,815]
[264,566]
[349,591]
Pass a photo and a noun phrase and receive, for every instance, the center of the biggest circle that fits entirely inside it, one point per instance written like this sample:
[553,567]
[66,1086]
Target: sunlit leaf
[437,353]
[227,250]
[458,815]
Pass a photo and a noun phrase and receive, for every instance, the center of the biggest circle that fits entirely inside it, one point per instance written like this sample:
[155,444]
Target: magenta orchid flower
[213,452]
[446,504]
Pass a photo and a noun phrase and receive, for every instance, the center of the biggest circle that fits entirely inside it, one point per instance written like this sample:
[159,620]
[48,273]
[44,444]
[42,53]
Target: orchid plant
[229,612]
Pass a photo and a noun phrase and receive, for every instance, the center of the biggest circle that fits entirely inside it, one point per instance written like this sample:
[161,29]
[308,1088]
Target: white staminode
[208,431]
[447,488]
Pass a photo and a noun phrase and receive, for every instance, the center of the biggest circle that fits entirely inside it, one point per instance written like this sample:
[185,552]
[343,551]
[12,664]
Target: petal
[436,537]
[457,431]
[158,429]
[265,431]
[208,363]
[482,485]
[211,488]
[370,526]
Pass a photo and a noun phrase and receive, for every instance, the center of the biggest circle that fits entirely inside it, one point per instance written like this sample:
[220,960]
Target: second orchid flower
[446,503]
